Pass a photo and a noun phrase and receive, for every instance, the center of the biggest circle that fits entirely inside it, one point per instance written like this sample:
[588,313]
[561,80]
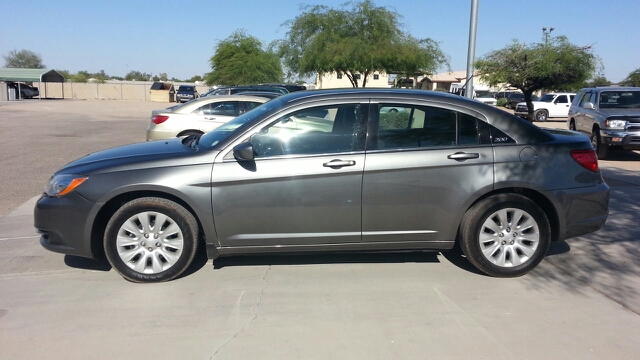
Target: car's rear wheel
[572,125]
[151,240]
[541,115]
[600,148]
[505,235]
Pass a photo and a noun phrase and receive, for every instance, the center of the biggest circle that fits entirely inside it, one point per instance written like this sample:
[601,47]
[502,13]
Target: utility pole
[471,53]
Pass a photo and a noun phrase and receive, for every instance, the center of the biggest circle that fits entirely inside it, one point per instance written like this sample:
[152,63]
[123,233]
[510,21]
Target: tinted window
[318,130]
[585,98]
[402,126]
[562,99]
[226,108]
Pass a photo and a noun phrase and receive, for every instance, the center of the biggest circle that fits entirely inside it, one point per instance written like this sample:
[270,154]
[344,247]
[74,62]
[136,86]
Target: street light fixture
[546,33]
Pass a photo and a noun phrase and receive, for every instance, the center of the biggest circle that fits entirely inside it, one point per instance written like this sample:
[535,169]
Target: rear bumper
[585,209]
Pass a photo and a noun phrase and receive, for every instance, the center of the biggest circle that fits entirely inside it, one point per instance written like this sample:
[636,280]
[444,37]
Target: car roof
[613,88]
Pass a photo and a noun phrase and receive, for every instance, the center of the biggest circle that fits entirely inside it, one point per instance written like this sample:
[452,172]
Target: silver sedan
[199,116]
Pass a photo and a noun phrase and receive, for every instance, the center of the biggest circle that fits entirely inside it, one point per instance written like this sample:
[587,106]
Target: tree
[553,64]
[137,76]
[241,60]
[599,80]
[23,59]
[633,79]
[195,78]
[359,40]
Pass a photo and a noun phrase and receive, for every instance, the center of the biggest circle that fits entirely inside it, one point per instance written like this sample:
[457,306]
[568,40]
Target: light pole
[547,33]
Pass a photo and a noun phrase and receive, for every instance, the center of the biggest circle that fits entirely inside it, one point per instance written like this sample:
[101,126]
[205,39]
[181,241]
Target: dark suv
[517,97]
[186,93]
[610,115]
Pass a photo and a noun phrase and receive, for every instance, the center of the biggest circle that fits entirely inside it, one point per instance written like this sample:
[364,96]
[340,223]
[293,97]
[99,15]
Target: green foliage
[195,78]
[25,59]
[394,120]
[599,80]
[137,76]
[362,39]
[502,102]
[241,60]
[633,79]
[554,64]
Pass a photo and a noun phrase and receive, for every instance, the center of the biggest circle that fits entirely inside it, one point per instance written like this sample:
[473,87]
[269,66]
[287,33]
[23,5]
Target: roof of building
[31,75]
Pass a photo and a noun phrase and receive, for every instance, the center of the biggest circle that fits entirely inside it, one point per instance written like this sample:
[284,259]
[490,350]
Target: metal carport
[32,75]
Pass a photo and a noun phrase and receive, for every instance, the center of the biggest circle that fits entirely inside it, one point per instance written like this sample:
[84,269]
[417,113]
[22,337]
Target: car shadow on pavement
[87,264]
[621,155]
[329,258]
[608,259]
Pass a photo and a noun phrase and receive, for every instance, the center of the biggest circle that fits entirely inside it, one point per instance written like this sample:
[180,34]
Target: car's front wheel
[600,148]
[151,240]
[505,235]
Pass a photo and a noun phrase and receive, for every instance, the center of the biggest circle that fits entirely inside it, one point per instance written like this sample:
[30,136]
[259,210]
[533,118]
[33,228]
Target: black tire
[541,115]
[600,148]
[520,244]
[166,256]
[572,125]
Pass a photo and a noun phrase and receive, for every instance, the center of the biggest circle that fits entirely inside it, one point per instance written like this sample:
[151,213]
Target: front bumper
[627,140]
[61,223]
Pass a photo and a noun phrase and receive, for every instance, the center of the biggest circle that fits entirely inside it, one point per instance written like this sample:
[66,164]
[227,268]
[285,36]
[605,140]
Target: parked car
[503,94]
[289,87]
[609,115]
[230,90]
[199,116]
[552,105]
[328,171]
[24,91]
[516,98]
[485,97]
[267,94]
[186,93]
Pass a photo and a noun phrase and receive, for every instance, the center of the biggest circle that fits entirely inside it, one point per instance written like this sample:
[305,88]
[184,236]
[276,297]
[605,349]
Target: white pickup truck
[552,105]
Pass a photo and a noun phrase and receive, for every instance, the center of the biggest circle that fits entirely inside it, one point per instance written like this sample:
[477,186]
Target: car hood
[146,154]
[620,112]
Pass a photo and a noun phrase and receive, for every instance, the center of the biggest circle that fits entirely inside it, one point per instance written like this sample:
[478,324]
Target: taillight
[159,119]
[586,158]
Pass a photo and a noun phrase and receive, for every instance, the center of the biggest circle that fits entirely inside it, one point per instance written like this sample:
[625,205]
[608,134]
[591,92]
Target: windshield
[185,88]
[219,134]
[620,100]
[547,98]
[483,94]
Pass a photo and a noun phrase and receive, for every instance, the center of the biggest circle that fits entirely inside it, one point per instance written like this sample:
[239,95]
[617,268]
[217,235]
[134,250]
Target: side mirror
[588,105]
[243,152]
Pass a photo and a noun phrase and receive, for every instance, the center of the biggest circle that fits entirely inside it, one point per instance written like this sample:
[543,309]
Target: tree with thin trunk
[25,59]
[356,41]
[553,64]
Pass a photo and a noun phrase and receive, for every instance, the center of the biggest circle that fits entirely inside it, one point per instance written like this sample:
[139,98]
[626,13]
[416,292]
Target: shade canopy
[30,75]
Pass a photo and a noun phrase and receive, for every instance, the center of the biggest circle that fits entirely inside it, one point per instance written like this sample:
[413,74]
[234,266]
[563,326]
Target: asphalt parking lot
[582,302]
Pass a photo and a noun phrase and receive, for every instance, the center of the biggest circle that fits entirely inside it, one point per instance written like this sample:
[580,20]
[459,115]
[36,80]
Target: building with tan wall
[334,81]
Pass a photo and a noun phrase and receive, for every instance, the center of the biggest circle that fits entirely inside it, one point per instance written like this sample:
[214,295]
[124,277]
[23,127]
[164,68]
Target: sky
[179,37]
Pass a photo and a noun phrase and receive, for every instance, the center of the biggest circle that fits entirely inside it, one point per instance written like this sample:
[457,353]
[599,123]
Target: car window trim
[226,154]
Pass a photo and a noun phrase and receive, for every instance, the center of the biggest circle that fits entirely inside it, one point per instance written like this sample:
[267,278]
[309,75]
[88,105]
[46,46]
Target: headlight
[615,123]
[63,184]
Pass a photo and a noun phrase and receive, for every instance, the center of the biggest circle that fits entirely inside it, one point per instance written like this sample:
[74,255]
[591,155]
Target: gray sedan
[332,171]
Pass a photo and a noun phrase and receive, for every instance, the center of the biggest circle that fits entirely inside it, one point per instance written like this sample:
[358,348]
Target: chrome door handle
[462,156]
[339,163]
